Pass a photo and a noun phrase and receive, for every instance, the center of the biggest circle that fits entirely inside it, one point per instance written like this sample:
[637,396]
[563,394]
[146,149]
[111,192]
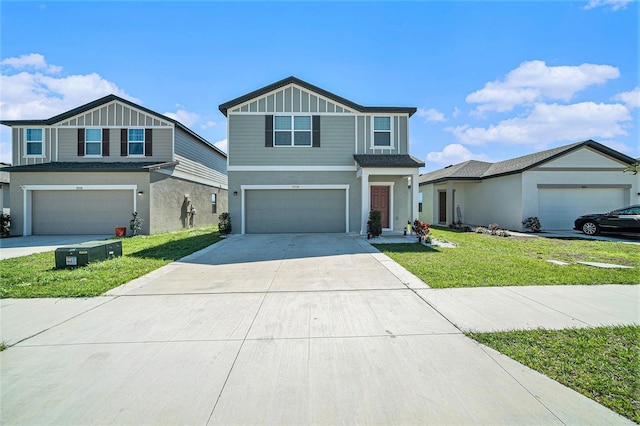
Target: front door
[442,207]
[380,202]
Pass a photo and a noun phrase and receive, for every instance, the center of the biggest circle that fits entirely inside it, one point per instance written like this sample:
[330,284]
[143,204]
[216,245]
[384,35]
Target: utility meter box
[83,253]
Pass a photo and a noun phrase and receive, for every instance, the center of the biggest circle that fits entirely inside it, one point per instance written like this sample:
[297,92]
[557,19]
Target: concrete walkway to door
[274,329]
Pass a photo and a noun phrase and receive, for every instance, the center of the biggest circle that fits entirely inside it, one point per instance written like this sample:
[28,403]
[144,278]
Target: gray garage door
[559,207]
[80,212]
[300,210]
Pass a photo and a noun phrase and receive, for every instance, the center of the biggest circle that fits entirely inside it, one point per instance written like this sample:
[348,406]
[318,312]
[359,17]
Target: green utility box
[83,253]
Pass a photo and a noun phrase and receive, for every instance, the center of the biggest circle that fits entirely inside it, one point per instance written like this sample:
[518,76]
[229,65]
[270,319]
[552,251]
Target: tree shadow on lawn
[406,248]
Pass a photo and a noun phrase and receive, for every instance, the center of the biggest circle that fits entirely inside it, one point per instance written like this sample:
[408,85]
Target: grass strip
[35,275]
[602,363]
[485,260]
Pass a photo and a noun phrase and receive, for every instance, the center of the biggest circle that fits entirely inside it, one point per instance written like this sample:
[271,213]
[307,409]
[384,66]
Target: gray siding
[18,154]
[68,146]
[197,159]
[247,144]
[400,135]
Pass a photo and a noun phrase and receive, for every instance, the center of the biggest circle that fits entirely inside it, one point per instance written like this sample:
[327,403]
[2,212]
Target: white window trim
[43,155]
[129,143]
[390,131]
[85,143]
[293,130]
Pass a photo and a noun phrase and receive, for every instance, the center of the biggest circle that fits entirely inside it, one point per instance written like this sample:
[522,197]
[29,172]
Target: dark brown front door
[380,202]
[442,207]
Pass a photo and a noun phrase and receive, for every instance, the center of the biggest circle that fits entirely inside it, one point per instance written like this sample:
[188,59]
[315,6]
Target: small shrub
[421,229]
[493,228]
[224,223]
[135,224]
[532,224]
[5,227]
[374,224]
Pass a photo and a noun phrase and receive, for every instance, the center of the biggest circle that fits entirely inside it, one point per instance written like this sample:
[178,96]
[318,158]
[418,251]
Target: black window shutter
[80,142]
[124,140]
[148,142]
[316,131]
[105,142]
[268,131]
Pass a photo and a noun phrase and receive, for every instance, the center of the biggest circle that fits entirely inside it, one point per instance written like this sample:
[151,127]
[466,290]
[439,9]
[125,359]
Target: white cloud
[534,81]
[631,99]
[222,145]
[31,60]
[456,112]
[209,124]
[615,4]
[549,123]
[453,154]
[183,116]
[431,114]
[33,94]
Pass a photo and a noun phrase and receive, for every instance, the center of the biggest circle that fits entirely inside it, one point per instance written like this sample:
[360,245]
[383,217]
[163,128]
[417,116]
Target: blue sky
[491,80]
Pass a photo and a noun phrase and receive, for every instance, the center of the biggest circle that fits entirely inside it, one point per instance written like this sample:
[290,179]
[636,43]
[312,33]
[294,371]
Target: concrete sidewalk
[287,329]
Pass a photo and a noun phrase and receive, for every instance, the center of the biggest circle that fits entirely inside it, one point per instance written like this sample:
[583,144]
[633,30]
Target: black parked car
[626,219]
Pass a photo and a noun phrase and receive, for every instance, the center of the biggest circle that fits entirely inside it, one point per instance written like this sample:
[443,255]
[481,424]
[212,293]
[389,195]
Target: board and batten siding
[19,148]
[195,158]
[68,147]
[247,147]
[400,135]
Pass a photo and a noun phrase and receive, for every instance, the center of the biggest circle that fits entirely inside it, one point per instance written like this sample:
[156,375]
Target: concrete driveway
[285,329]
[23,246]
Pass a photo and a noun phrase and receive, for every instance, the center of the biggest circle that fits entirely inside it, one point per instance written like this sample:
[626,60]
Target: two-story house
[87,170]
[302,159]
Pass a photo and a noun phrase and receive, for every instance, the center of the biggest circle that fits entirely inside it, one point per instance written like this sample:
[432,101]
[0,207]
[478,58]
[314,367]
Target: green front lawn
[485,260]
[602,364]
[36,276]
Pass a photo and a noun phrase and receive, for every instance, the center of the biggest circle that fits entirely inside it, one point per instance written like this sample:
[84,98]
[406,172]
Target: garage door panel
[559,207]
[80,212]
[291,211]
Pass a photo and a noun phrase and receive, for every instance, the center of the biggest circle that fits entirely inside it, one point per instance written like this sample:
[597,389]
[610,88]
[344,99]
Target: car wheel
[590,228]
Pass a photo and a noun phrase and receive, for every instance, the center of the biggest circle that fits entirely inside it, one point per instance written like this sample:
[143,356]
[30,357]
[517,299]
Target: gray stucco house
[302,159]
[85,171]
[556,185]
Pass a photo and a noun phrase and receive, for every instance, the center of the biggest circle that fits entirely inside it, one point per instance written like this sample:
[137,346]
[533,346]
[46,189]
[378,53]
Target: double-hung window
[292,130]
[34,141]
[136,141]
[93,142]
[382,132]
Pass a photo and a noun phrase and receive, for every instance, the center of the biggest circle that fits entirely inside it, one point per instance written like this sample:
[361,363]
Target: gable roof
[293,80]
[104,100]
[478,170]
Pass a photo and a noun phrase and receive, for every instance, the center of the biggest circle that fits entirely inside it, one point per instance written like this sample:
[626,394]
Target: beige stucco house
[556,185]
[87,170]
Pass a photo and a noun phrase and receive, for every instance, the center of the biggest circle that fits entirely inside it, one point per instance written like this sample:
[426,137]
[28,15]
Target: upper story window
[34,141]
[93,142]
[292,130]
[382,132]
[136,141]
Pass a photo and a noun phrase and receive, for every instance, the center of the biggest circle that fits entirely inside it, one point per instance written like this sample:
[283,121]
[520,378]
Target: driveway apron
[275,329]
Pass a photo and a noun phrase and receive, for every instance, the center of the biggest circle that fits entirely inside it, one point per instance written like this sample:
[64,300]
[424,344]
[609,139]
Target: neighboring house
[556,185]
[4,188]
[85,171]
[302,159]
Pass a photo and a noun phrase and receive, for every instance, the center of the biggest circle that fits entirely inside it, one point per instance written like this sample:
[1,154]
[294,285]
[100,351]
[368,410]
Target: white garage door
[293,211]
[559,207]
[80,212]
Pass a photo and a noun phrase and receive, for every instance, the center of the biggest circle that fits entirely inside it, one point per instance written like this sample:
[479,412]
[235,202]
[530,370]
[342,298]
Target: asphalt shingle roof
[476,170]
[387,160]
[95,166]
